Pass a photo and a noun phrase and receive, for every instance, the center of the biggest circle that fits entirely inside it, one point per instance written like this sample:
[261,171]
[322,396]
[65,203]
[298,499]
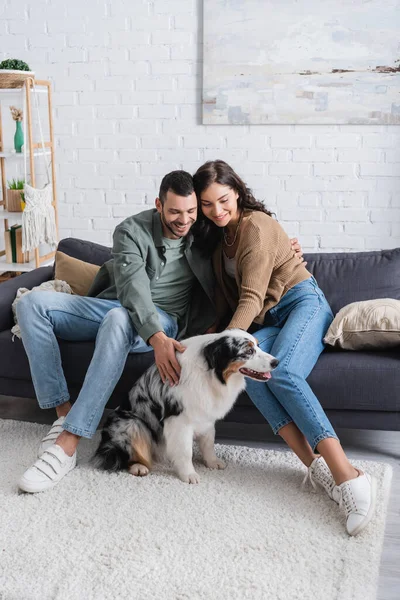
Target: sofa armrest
[8,291]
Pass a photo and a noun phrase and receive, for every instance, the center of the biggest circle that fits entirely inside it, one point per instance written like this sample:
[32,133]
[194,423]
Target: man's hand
[297,249]
[164,354]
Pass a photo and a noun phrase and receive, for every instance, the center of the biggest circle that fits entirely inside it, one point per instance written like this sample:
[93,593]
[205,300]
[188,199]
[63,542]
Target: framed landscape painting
[301,62]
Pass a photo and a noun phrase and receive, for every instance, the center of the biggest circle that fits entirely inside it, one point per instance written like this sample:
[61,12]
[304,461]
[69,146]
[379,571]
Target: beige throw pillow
[77,273]
[366,325]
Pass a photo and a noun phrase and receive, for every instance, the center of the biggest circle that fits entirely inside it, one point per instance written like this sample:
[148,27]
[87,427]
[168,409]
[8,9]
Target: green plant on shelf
[16,184]
[14,64]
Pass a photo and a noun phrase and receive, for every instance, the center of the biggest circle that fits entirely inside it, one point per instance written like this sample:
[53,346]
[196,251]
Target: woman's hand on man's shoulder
[296,247]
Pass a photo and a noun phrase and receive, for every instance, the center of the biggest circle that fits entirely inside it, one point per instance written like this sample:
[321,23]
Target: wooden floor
[369,445]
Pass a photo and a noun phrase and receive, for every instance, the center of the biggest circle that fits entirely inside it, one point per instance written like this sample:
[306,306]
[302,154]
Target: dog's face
[237,351]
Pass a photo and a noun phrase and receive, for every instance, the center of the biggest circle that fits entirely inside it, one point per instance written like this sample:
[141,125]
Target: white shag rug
[248,532]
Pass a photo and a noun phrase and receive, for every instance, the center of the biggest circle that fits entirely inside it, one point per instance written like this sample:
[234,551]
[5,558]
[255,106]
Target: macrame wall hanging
[38,218]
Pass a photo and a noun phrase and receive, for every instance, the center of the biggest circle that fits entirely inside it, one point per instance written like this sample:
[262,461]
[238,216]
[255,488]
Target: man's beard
[168,226]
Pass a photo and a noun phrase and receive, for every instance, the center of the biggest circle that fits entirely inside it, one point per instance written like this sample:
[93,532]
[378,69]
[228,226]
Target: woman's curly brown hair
[207,234]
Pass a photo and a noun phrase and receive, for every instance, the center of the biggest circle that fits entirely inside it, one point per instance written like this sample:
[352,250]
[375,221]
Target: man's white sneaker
[47,471]
[318,472]
[50,438]
[358,496]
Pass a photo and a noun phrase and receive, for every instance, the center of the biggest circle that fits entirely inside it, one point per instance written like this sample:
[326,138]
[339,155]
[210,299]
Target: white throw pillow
[368,325]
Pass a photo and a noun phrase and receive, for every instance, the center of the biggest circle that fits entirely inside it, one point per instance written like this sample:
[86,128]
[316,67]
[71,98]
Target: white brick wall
[127,109]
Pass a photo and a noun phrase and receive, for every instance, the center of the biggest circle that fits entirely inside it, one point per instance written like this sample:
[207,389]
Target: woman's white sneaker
[318,473]
[51,436]
[47,471]
[358,497]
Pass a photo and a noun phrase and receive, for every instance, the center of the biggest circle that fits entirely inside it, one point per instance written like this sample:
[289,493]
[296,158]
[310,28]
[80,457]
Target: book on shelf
[7,243]
[13,245]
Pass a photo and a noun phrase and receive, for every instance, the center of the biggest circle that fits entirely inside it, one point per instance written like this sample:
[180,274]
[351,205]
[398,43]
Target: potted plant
[17,115]
[15,195]
[13,73]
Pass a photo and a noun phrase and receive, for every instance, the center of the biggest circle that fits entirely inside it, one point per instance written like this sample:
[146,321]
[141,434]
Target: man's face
[178,214]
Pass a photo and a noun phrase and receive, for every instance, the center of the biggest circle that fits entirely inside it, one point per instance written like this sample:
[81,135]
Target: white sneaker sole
[371,510]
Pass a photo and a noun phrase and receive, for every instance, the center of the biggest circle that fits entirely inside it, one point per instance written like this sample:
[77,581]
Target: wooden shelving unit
[34,150]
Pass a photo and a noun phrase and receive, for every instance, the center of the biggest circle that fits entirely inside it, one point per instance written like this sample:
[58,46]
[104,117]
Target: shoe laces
[319,473]
[347,499]
[308,477]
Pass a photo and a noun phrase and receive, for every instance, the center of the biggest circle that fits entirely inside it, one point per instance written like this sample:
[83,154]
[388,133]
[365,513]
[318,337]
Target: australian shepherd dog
[158,417]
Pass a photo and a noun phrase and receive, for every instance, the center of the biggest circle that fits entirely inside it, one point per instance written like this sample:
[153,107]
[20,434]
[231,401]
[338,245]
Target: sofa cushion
[355,276]
[357,380]
[366,325]
[14,362]
[8,291]
[344,277]
[90,252]
[341,380]
[77,273]
[75,356]
[367,381]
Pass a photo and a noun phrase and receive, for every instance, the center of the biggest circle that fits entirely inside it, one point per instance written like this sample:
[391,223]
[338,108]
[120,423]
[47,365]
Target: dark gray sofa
[357,389]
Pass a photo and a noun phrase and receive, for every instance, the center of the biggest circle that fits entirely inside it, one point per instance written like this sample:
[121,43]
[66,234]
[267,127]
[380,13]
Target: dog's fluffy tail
[125,440]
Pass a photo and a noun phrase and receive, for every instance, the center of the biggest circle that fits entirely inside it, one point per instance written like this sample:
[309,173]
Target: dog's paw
[138,470]
[190,477]
[215,463]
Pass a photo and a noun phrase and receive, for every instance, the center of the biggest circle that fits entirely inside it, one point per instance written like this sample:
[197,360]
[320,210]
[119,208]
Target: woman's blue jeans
[44,316]
[293,332]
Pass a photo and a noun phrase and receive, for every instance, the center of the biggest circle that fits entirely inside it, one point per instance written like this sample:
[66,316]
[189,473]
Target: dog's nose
[274,363]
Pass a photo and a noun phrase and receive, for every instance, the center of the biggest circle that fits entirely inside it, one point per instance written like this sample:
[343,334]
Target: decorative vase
[18,137]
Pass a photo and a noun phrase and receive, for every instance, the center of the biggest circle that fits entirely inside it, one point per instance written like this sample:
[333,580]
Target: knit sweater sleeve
[255,265]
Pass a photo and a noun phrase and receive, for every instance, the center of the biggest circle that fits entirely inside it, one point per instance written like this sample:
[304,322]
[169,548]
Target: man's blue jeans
[44,316]
[293,332]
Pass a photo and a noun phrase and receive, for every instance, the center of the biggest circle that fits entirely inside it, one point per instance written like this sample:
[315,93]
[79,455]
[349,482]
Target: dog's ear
[218,355]
[212,352]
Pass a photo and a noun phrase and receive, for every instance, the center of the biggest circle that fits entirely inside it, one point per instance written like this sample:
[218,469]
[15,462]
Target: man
[156,288]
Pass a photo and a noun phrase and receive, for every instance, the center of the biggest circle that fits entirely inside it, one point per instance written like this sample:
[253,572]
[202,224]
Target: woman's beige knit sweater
[266,268]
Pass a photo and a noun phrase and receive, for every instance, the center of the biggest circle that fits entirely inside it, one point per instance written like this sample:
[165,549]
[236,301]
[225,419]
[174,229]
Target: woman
[266,289]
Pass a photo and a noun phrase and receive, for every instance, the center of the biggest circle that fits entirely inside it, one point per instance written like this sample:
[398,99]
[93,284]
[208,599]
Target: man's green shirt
[139,259]
[173,291]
